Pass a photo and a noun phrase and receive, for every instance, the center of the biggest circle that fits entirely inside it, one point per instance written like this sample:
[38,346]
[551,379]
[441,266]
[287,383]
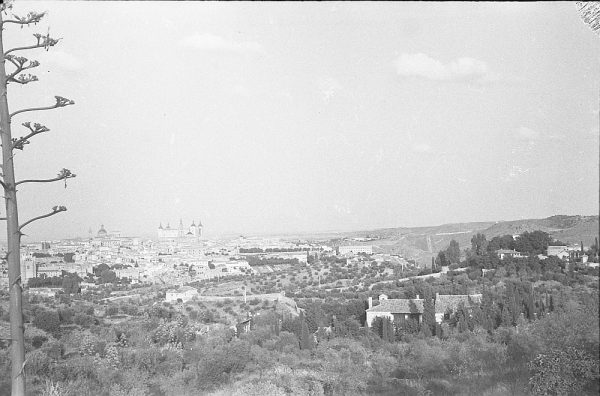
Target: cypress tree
[306,339]
[385,329]
[463,325]
[377,327]
[428,326]
[390,331]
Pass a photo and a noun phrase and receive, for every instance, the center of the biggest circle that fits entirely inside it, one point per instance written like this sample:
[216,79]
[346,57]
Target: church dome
[102,232]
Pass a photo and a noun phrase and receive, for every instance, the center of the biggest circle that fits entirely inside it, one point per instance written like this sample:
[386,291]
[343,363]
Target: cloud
[342,208]
[380,156]
[514,172]
[527,133]
[329,87]
[210,42]
[241,90]
[62,60]
[422,148]
[462,69]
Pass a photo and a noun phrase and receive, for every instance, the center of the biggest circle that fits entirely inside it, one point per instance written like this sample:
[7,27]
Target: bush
[129,309]
[47,320]
[84,320]
[38,341]
[112,310]
[54,350]
[562,371]
[66,315]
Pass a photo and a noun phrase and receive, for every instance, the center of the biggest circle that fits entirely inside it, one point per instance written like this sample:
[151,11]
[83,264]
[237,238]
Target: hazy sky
[271,117]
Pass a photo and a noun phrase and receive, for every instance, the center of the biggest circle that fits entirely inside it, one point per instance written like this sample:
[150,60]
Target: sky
[306,117]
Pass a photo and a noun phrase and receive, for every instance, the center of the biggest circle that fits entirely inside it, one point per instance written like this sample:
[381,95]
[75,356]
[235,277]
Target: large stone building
[28,267]
[193,232]
[355,249]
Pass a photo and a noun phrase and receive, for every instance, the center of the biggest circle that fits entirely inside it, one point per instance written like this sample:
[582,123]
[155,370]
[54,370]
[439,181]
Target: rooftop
[446,302]
[398,306]
[506,251]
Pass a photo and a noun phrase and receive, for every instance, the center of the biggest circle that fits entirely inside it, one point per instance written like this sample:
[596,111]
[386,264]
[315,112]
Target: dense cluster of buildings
[176,257]
[570,253]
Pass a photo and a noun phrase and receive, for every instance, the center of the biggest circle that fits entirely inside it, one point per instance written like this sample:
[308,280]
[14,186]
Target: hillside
[421,243]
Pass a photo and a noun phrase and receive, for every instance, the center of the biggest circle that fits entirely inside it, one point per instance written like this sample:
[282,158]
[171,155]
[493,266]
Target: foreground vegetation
[535,332]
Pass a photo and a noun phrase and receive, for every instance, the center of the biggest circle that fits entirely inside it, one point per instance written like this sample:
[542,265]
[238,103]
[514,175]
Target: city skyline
[264,118]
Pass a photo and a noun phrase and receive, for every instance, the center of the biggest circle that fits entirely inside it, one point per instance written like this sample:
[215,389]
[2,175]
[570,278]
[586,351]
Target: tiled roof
[445,302]
[397,306]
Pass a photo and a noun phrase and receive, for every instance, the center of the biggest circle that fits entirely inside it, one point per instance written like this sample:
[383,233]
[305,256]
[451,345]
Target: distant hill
[422,243]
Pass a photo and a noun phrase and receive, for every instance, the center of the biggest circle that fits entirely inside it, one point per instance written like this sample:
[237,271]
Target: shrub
[84,320]
[47,320]
[38,341]
[112,310]
[66,315]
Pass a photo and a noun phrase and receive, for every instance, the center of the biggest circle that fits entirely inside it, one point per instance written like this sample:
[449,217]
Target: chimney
[370,302]
[418,297]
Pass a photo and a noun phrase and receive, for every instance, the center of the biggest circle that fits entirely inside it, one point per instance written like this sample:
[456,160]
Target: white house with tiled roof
[403,309]
[449,303]
[395,309]
[562,252]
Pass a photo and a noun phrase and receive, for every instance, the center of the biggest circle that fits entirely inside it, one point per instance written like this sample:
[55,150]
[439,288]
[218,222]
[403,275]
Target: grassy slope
[412,242]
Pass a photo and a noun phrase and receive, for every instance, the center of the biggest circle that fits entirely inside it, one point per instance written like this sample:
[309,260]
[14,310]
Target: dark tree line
[527,243]
[448,256]
[68,281]
[256,261]
[273,250]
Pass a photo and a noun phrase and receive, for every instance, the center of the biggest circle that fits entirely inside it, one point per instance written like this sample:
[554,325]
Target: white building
[395,309]
[559,251]
[194,232]
[28,267]
[355,249]
[302,257]
[508,253]
[185,293]
[449,303]
[403,309]
[50,270]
